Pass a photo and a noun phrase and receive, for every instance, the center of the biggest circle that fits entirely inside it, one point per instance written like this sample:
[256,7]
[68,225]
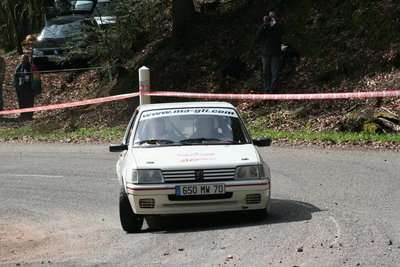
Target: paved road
[58,206]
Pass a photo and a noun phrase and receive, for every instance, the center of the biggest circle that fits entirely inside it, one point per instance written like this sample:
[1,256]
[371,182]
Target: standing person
[27,85]
[2,73]
[270,34]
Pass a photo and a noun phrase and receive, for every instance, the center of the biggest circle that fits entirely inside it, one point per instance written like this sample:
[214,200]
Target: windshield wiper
[200,140]
[156,142]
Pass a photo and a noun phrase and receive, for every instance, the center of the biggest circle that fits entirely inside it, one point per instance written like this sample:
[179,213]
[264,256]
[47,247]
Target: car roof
[186,105]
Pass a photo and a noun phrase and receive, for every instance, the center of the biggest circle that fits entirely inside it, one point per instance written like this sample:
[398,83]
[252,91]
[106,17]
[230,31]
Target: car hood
[188,157]
[51,43]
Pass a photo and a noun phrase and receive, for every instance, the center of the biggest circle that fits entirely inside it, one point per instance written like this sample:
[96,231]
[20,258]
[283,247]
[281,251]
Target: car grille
[193,176]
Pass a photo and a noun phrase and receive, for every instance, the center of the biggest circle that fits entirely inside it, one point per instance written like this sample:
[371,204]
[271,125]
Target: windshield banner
[188,111]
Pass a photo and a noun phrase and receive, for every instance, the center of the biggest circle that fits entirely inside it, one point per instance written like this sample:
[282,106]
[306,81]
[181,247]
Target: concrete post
[144,85]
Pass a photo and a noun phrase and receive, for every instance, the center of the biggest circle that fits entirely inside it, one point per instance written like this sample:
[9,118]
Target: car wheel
[130,222]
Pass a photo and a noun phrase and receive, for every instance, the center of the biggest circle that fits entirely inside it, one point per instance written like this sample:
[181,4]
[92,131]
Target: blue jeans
[270,73]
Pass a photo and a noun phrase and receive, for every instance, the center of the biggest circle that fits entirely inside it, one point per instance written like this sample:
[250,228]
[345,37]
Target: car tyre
[130,222]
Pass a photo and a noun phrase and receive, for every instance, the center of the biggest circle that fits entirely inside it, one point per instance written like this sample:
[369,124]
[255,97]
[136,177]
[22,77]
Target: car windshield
[190,126]
[61,29]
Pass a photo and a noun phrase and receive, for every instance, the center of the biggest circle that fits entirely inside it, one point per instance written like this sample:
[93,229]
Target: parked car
[193,157]
[49,47]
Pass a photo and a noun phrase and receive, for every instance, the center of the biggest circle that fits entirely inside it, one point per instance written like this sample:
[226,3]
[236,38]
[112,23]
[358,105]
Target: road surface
[59,206]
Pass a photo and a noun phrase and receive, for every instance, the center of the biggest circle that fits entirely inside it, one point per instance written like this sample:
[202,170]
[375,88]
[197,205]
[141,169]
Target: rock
[390,242]
[300,249]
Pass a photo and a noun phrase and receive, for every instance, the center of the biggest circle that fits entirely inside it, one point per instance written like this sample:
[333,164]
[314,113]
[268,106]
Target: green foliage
[372,128]
[53,132]
[326,136]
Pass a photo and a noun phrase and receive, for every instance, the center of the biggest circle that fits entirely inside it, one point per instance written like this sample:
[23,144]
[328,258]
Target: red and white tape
[214,96]
[71,104]
[279,96]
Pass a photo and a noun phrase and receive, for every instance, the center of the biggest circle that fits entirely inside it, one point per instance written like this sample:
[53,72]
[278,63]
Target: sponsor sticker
[188,111]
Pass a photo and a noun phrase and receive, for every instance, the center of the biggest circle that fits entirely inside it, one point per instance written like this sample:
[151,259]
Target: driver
[206,128]
[156,129]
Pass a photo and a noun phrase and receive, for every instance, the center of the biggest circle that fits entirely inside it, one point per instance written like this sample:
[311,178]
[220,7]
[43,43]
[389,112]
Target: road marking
[31,175]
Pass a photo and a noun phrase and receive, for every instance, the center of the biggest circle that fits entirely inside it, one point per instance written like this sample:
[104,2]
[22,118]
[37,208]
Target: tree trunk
[183,14]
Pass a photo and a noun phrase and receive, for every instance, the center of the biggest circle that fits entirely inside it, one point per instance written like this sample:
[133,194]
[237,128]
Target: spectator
[270,34]
[27,85]
[2,73]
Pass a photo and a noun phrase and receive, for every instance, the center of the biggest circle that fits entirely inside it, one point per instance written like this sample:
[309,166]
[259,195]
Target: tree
[183,14]
[17,19]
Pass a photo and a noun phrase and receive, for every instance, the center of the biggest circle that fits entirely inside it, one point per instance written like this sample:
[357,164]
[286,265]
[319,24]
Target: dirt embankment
[335,56]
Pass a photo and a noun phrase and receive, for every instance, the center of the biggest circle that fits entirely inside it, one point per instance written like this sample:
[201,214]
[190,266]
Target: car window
[129,129]
[73,6]
[60,30]
[190,126]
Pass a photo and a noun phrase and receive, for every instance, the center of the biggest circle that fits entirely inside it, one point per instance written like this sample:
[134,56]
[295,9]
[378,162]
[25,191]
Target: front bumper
[161,198]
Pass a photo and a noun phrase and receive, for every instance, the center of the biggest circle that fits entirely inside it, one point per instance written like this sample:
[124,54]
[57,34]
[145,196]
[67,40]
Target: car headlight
[37,53]
[247,172]
[147,176]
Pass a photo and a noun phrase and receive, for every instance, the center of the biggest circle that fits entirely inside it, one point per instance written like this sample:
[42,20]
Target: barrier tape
[71,104]
[279,96]
[214,96]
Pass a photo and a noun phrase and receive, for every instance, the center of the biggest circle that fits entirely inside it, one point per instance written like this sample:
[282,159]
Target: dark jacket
[271,39]
[21,72]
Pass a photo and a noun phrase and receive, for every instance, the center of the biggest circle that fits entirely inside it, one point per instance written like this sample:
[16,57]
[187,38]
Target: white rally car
[190,157]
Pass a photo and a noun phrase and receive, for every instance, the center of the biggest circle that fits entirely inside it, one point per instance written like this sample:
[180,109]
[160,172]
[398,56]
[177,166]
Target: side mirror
[262,141]
[118,147]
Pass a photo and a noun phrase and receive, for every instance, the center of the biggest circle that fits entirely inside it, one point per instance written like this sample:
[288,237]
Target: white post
[144,85]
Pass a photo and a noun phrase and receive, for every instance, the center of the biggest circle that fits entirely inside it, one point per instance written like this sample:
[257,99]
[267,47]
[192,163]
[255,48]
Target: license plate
[204,189]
